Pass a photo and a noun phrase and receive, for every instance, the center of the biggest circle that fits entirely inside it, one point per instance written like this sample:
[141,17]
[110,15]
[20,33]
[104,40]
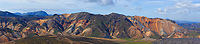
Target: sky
[180,10]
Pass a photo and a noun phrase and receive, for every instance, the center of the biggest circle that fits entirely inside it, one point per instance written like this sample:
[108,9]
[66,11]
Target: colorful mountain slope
[95,25]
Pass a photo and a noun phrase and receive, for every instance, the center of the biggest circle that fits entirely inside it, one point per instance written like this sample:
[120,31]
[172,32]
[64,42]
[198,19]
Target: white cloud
[155,1]
[101,2]
[55,6]
[160,11]
[181,7]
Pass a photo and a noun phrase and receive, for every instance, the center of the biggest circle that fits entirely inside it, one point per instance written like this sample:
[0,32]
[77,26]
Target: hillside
[108,26]
[92,25]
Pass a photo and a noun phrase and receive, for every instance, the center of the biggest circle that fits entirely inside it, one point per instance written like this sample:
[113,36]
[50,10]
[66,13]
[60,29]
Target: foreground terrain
[177,41]
[62,40]
[54,39]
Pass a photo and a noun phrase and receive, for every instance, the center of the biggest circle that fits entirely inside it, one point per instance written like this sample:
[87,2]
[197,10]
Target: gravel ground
[177,41]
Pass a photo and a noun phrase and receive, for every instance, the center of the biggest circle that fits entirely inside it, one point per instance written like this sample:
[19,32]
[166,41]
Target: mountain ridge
[95,25]
[37,13]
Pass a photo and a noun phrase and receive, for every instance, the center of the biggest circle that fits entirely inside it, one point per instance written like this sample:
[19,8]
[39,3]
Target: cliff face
[108,26]
[159,27]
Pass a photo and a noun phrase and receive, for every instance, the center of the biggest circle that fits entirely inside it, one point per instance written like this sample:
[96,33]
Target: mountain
[92,25]
[41,13]
[8,14]
[194,27]
[179,22]
[190,26]
[109,26]
[17,13]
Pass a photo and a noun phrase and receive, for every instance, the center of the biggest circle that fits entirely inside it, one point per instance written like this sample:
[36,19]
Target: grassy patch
[154,37]
[31,34]
[40,40]
[138,43]
[95,33]
[55,32]
[135,43]
[128,39]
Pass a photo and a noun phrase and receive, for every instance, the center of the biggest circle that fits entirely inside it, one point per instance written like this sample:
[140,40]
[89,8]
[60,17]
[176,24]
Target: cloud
[154,1]
[31,1]
[101,2]
[160,11]
[51,6]
[139,8]
[181,7]
[48,10]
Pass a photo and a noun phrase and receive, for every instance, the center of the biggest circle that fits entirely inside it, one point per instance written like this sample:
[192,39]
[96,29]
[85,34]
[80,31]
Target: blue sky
[182,10]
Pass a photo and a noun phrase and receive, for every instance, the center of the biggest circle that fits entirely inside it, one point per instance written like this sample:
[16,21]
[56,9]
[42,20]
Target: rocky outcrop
[3,38]
[162,27]
[7,35]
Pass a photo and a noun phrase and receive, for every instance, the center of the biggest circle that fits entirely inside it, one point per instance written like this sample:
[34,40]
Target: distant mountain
[28,14]
[8,14]
[39,13]
[185,22]
[32,14]
[17,13]
[189,25]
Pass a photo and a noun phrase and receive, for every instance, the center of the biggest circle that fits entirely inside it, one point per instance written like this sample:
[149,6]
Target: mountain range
[84,24]
[38,13]
[7,14]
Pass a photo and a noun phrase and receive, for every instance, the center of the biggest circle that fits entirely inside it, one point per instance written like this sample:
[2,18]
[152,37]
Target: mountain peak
[41,13]
[7,14]
[85,13]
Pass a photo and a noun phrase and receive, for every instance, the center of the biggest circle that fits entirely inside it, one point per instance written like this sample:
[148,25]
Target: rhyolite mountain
[90,25]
